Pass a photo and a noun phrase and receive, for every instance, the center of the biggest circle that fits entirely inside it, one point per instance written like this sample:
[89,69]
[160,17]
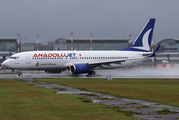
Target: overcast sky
[53,19]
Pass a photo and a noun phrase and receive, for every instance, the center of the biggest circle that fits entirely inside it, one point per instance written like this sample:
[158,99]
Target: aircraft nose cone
[5,63]
[2,63]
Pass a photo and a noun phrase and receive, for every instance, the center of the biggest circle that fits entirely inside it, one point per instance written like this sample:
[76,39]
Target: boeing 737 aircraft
[85,61]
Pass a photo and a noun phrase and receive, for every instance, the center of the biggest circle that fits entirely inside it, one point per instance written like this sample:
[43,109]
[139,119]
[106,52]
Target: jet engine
[79,68]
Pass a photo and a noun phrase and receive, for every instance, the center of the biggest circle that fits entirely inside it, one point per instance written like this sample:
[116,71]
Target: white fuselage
[60,60]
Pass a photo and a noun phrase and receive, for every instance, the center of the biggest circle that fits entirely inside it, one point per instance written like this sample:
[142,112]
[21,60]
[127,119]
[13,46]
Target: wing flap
[99,63]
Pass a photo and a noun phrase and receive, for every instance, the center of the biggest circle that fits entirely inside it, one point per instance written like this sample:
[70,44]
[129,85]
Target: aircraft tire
[19,73]
[91,73]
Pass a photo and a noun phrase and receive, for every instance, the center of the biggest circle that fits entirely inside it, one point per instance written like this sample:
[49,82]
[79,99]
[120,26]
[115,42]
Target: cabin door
[28,60]
[133,57]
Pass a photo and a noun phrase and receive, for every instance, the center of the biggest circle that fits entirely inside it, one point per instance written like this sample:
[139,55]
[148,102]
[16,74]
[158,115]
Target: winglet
[153,54]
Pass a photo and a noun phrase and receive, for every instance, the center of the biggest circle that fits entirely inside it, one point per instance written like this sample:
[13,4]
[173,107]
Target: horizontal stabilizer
[152,54]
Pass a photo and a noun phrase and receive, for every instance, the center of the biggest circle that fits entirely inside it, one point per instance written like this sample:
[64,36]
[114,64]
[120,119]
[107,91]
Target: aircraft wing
[101,63]
[96,64]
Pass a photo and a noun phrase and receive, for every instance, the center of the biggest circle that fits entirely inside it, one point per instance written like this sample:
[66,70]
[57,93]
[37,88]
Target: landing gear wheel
[19,73]
[91,73]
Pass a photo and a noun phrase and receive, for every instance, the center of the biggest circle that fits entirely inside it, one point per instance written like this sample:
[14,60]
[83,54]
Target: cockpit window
[14,57]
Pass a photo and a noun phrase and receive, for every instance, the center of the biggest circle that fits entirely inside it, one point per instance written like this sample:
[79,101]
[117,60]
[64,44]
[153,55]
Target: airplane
[78,62]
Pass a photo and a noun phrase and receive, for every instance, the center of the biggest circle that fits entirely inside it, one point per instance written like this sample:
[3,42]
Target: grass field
[158,90]
[20,101]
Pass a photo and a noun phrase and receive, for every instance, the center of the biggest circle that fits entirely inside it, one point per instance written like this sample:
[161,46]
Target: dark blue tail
[143,41]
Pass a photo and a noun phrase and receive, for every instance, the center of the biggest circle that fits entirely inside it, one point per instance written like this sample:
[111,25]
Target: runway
[118,73]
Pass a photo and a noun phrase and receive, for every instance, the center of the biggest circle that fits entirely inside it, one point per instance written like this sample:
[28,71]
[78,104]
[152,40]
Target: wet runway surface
[124,73]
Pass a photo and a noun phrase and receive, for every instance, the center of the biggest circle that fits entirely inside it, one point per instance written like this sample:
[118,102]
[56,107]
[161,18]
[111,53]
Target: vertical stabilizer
[143,41]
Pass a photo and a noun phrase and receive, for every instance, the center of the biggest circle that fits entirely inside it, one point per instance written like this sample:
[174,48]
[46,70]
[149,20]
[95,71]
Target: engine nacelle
[79,68]
[53,71]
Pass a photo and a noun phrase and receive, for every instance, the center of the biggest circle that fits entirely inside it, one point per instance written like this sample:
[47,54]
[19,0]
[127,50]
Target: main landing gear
[19,73]
[91,73]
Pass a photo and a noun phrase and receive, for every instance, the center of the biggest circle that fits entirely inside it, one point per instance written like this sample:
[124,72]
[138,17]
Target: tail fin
[143,41]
